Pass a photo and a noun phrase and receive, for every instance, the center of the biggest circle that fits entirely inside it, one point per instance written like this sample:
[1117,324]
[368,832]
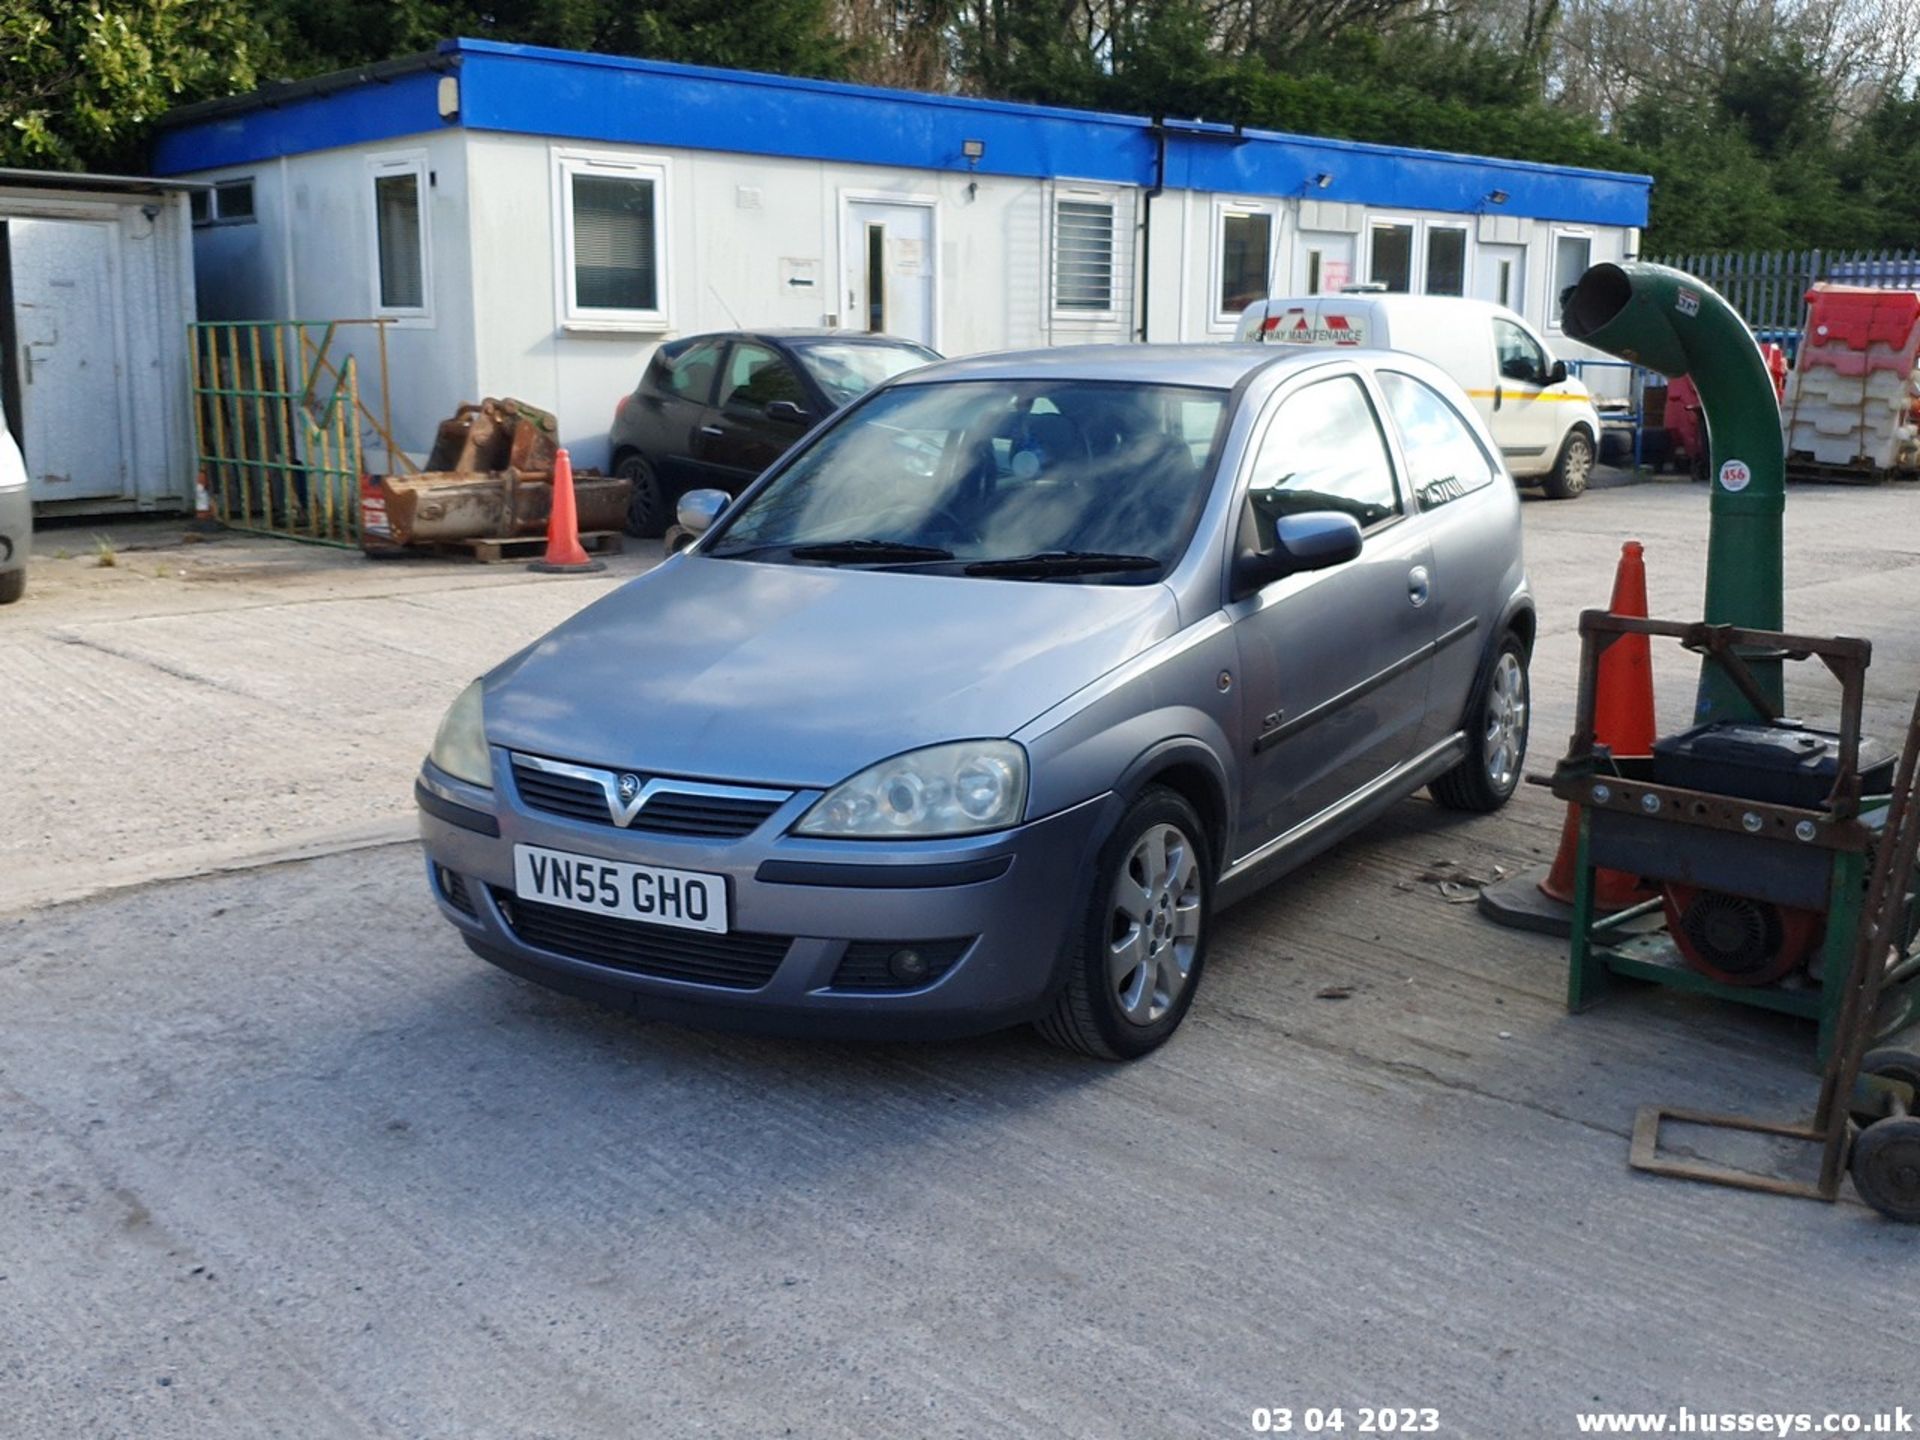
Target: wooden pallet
[494,549]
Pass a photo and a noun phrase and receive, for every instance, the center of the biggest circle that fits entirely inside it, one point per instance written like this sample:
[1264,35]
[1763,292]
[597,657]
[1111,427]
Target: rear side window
[1444,459]
[686,371]
[1323,451]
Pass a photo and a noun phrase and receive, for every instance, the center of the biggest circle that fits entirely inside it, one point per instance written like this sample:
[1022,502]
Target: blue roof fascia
[573,95]
[373,111]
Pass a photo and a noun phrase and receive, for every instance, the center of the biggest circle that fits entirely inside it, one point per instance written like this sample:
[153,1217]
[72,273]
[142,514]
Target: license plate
[684,899]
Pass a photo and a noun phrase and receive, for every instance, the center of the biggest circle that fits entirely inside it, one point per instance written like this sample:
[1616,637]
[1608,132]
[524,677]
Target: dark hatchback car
[713,411]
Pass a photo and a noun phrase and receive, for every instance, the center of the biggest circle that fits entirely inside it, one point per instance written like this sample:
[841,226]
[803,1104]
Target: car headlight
[958,789]
[460,747]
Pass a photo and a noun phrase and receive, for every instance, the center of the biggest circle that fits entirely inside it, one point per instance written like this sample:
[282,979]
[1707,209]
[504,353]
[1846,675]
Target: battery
[1780,764]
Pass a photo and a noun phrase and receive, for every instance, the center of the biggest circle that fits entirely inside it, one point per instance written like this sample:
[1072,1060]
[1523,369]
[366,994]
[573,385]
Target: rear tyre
[1488,775]
[1573,469]
[647,509]
[13,585]
[1143,942]
[1885,1165]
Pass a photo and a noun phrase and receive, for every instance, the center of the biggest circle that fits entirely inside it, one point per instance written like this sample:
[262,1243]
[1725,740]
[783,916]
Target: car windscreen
[1033,479]
[848,369]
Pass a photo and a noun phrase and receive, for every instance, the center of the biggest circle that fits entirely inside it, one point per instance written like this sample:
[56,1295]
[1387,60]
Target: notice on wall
[1335,276]
[799,274]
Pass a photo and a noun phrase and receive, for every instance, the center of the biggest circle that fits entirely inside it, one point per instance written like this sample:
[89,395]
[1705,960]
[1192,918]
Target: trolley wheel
[1885,1165]
[1889,1062]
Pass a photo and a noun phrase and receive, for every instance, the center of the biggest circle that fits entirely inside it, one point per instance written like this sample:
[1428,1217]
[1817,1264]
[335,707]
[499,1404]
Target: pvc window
[401,273]
[1243,251]
[230,202]
[1390,255]
[613,222]
[1572,254]
[1446,260]
[1083,231]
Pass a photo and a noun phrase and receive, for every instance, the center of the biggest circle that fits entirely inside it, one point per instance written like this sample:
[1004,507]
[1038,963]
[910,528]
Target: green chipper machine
[1783,854]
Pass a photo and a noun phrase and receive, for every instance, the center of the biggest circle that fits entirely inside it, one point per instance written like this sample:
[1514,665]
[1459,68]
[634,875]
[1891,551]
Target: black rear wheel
[1488,774]
[13,585]
[647,509]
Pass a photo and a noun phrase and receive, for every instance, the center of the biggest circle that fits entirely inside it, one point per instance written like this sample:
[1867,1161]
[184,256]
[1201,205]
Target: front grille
[736,961]
[668,812]
[567,795]
[453,886]
[867,964]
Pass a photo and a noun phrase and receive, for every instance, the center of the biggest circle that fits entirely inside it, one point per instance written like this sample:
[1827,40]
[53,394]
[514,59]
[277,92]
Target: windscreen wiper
[1062,562]
[869,551]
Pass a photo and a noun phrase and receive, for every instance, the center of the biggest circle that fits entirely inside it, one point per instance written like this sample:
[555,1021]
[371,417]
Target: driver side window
[1521,357]
[756,377]
[1323,450]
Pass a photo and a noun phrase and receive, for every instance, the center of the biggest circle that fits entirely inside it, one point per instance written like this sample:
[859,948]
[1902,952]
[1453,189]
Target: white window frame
[1570,232]
[1084,195]
[1224,206]
[1466,254]
[1416,251]
[400,162]
[573,315]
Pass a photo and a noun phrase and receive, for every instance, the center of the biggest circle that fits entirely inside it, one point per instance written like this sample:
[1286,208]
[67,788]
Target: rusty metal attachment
[489,477]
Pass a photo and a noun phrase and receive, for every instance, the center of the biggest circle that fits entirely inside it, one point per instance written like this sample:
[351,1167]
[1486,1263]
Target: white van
[1543,421]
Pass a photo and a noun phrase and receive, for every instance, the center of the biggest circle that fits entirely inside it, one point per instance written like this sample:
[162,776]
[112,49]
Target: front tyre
[1574,467]
[1143,943]
[1489,773]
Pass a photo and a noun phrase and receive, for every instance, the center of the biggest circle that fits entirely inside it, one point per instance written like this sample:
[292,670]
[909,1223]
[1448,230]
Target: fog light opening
[908,966]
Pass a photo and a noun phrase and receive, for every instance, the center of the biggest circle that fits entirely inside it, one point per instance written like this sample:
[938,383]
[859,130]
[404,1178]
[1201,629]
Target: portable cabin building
[534,221]
[96,294]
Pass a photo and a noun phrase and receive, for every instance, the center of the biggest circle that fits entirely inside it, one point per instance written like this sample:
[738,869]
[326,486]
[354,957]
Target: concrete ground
[279,1158]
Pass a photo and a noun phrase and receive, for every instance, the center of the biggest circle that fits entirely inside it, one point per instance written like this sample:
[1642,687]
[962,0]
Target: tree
[84,80]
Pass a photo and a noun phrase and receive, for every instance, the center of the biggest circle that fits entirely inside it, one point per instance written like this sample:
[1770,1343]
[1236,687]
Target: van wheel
[1571,472]
[1489,773]
[1143,941]
[13,585]
[647,508]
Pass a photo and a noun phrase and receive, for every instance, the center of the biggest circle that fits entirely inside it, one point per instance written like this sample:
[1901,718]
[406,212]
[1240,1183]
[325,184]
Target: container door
[887,262]
[1500,275]
[65,275]
[1322,262]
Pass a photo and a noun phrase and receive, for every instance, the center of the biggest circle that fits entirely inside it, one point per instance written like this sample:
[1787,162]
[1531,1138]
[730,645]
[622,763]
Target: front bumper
[990,912]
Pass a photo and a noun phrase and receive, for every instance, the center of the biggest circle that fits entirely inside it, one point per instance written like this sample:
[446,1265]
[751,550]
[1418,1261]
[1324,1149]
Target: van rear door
[1331,320]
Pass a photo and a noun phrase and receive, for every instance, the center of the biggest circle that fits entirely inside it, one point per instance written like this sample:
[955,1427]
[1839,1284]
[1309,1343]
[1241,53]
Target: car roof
[1214,367]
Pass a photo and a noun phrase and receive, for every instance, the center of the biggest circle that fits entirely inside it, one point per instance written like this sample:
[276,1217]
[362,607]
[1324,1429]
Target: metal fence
[1769,288]
[279,422]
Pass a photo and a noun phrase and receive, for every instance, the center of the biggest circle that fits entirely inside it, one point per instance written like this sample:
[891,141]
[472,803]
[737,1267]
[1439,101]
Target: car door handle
[711,430]
[1419,585]
[1498,396]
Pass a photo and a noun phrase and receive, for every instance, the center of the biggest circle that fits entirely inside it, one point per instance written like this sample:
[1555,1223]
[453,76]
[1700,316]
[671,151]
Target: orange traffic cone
[1623,722]
[564,553]
[1540,898]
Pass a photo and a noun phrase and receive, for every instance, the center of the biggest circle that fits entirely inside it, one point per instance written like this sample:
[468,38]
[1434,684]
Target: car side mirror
[1557,373]
[698,509]
[1314,540]
[787,412]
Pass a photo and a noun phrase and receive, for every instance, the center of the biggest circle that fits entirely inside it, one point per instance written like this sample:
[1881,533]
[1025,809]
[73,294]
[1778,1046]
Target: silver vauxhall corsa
[978,706]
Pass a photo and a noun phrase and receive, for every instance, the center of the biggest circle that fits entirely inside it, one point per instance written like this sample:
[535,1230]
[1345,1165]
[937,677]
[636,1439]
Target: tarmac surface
[278,1157]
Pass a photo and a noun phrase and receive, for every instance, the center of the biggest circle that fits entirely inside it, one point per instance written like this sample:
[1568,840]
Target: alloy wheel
[1154,926]
[1505,744]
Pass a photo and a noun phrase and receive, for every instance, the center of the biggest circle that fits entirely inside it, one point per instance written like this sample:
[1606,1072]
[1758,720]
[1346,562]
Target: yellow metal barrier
[278,425]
